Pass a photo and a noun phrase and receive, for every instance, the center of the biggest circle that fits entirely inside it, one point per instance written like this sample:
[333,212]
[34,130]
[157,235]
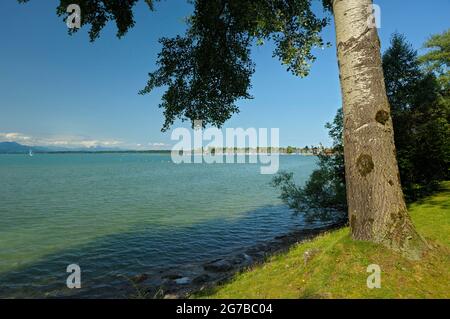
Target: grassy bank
[334,266]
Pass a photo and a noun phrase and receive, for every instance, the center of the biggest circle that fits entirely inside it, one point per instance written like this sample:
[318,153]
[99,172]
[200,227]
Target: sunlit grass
[337,268]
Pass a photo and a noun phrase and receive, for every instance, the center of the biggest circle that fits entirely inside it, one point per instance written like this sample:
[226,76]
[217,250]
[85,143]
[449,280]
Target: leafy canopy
[438,58]
[209,68]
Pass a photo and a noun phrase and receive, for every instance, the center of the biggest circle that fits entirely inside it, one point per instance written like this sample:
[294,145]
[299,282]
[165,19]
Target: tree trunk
[377,210]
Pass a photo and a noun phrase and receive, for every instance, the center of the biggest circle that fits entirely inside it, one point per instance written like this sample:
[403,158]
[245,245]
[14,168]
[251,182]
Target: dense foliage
[421,119]
[437,60]
[419,98]
[326,185]
[210,68]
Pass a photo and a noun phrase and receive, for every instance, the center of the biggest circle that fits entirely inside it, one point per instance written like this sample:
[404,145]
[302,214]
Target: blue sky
[63,90]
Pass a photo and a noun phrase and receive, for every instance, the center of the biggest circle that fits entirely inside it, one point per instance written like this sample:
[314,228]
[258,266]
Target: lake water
[119,215]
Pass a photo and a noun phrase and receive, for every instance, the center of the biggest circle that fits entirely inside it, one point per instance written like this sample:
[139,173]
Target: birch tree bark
[377,210]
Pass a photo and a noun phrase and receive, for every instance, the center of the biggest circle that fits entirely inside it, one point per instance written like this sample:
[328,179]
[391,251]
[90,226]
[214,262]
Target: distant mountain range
[16,148]
[13,147]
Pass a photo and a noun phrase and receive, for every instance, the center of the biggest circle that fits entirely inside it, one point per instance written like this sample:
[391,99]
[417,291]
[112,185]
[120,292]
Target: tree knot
[382,117]
[365,164]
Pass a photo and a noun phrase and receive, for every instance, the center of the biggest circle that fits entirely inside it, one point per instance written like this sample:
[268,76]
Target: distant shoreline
[155,152]
[89,152]
[16,148]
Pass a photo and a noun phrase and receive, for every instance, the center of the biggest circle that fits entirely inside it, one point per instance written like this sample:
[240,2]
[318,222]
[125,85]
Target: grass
[337,268]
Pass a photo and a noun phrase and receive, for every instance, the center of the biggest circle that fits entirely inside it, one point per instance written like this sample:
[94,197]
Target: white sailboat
[30,153]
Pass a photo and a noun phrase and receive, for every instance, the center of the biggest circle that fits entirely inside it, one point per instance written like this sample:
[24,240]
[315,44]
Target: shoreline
[181,282]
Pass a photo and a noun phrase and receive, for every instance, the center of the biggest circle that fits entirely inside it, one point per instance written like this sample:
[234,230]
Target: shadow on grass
[438,202]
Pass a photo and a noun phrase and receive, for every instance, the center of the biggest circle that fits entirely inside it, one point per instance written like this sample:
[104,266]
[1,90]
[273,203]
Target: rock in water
[183,281]
[219,265]
[201,279]
[139,278]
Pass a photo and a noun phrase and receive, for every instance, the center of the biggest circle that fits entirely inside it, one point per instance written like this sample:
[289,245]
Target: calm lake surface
[120,215]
